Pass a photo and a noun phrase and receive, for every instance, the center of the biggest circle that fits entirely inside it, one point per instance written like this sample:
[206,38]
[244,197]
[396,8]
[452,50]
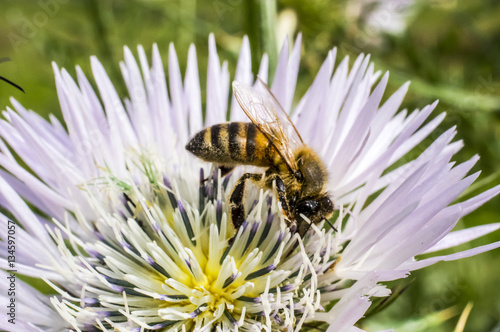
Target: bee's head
[315,208]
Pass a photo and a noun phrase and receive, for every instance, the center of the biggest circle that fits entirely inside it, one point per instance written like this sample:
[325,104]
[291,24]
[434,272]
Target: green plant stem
[268,30]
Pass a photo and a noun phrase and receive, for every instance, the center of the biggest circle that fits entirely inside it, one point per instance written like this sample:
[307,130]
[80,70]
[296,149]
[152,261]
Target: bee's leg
[225,170]
[304,227]
[225,173]
[236,198]
[281,193]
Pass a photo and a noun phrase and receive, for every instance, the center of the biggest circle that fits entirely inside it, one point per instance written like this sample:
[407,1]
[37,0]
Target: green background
[450,51]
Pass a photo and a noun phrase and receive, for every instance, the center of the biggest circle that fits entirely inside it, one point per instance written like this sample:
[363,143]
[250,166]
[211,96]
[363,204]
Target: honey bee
[269,140]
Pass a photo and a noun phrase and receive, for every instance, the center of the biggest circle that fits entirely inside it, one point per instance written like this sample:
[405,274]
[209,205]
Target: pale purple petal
[263,69]
[459,255]
[243,74]
[462,236]
[138,99]
[279,85]
[177,96]
[473,203]
[192,92]
[352,306]
[215,111]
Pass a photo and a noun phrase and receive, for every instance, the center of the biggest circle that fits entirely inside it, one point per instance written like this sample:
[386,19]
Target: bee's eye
[307,208]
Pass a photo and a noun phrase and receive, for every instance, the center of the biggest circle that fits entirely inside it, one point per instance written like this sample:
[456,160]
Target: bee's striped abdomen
[233,143]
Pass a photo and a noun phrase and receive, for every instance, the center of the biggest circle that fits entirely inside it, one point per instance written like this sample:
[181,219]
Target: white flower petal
[462,236]
[243,74]
[459,255]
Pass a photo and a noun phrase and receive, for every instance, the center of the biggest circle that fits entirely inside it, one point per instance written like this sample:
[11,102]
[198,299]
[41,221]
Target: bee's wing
[260,105]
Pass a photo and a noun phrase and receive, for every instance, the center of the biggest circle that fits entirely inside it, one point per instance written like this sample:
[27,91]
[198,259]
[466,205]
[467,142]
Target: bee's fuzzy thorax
[312,169]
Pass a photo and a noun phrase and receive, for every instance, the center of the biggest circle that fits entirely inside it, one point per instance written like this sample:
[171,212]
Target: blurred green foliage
[450,50]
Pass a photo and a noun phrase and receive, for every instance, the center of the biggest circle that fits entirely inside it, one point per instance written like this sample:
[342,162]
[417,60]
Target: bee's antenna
[331,225]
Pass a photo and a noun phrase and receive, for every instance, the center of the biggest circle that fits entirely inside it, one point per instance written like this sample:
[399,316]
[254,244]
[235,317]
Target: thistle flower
[133,232]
